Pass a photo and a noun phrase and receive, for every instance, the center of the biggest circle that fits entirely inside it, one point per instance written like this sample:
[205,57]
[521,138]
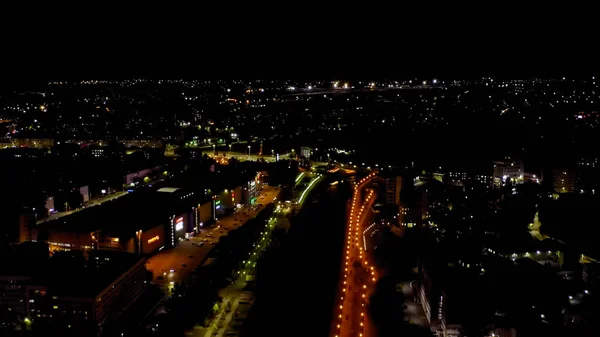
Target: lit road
[233,303]
[161,263]
[358,276]
[315,178]
[245,156]
[91,203]
[231,295]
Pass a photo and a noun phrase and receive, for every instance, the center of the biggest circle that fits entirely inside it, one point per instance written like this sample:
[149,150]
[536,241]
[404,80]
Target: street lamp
[248,150]
[214,148]
[230,149]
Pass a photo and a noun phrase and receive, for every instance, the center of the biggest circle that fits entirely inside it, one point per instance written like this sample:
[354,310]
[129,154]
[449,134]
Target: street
[236,301]
[350,317]
[191,254]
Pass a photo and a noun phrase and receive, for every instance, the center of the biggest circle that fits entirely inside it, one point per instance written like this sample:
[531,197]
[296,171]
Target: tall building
[393,186]
[306,152]
[588,170]
[564,180]
[509,170]
[249,192]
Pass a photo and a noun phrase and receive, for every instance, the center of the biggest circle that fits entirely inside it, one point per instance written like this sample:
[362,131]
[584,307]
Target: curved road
[350,315]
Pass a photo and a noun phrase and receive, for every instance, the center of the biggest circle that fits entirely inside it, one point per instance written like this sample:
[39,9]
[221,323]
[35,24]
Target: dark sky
[8,85]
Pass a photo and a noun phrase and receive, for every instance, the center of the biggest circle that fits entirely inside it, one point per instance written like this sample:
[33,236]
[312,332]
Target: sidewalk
[414,311]
[220,323]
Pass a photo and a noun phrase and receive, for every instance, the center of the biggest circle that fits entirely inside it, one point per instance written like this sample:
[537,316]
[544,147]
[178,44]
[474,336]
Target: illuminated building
[128,224]
[306,152]
[509,170]
[250,192]
[230,198]
[143,143]
[588,171]
[564,180]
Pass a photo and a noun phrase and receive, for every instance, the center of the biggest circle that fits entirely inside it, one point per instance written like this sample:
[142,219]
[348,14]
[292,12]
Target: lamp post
[230,149]
[248,150]
[215,148]
[139,240]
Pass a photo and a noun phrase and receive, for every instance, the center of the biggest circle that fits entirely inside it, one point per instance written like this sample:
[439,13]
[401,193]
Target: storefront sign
[179,224]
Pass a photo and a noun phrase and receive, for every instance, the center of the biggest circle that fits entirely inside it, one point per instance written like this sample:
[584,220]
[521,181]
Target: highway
[358,277]
[192,252]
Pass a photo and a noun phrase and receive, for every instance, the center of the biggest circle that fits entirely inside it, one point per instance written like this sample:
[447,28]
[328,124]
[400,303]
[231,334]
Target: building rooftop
[138,210]
[68,273]
[168,189]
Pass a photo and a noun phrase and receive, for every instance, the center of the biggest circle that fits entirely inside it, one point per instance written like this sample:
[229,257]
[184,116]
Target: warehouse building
[142,222]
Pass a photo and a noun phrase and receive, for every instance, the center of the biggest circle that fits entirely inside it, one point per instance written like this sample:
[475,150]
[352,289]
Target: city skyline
[343,207]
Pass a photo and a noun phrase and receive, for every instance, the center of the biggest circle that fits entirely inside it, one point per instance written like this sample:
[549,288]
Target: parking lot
[187,255]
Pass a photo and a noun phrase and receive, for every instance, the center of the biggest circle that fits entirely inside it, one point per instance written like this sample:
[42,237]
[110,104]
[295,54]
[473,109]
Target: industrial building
[141,222]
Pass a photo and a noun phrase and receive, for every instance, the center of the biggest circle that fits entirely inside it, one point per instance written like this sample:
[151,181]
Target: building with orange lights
[141,222]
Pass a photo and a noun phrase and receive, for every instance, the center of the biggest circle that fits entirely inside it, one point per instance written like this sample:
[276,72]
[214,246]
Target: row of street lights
[354,223]
[249,148]
[215,149]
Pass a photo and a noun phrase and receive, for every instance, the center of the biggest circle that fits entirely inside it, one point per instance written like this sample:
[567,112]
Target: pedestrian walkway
[220,323]
[414,311]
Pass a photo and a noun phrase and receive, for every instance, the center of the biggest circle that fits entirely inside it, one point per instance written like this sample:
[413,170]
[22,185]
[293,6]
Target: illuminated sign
[154,239]
[179,224]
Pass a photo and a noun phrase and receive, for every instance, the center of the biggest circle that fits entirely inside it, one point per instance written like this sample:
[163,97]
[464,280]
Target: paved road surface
[232,305]
[350,317]
[162,262]
[232,295]
[414,311]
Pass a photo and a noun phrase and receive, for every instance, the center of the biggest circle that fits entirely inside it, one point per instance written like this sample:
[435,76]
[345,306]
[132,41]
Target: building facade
[393,187]
[564,180]
[250,192]
[306,152]
[509,170]
[50,299]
